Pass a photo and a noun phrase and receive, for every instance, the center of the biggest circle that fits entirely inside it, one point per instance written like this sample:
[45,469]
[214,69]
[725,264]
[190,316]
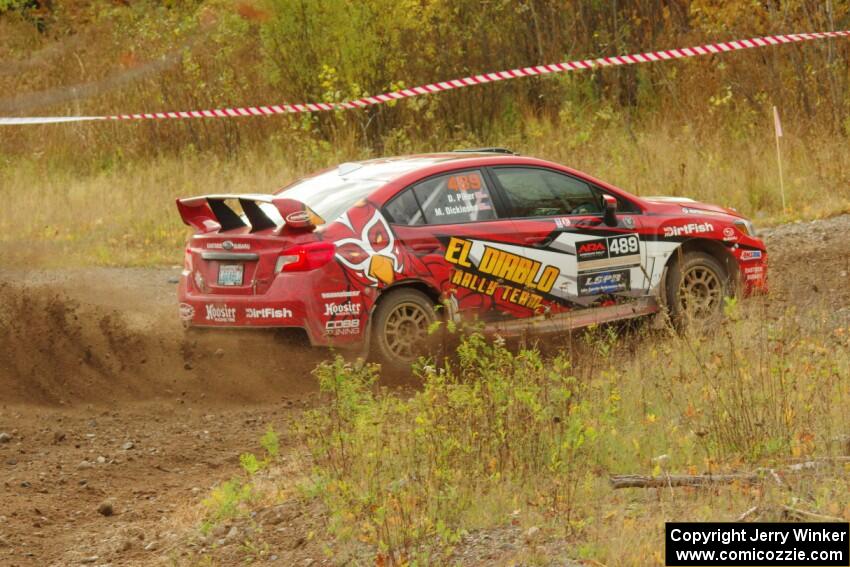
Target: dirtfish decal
[688,229]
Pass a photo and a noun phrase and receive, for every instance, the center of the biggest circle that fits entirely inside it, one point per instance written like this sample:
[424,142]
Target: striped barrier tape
[648,57]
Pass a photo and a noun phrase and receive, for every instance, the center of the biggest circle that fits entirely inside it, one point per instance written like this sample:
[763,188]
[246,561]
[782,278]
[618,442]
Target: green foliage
[396,472]
[499,429]
[271,51]
[8,5]
[230,499]
[225,502]
[271,444]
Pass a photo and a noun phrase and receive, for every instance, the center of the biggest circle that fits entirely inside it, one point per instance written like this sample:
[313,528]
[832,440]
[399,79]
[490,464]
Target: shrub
[492,424]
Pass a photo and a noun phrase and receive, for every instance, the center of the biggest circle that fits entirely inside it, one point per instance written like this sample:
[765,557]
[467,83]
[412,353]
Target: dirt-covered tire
[400,328]
[695,289]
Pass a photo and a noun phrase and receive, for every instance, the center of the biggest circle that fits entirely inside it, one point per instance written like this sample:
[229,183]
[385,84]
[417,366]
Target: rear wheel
[695,289]
[400,328]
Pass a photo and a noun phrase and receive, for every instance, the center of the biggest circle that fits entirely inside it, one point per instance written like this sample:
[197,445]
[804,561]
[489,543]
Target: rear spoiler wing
[211,213]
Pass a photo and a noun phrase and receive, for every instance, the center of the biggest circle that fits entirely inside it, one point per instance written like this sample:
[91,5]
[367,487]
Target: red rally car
[360,255]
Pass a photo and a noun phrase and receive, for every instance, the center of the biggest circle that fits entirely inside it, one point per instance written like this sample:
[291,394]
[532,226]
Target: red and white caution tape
[636,58]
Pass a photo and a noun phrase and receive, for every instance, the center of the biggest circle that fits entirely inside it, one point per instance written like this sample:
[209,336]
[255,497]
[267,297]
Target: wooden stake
[777,130]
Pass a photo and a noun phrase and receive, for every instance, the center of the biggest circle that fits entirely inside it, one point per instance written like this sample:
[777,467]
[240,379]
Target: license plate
[230,274]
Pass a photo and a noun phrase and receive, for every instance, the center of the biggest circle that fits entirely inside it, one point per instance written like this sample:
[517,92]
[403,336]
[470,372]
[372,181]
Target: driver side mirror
[609,206]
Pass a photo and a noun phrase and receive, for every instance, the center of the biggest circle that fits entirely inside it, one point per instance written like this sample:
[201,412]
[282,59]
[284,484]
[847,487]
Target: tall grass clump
[496,430]
[495,426]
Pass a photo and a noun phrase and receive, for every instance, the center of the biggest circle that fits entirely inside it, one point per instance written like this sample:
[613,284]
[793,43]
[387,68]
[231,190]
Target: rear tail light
[200,282]
[305,257]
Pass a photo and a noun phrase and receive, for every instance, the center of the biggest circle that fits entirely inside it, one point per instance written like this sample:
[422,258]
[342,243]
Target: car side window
[404,209]
[536,192]
[456,197]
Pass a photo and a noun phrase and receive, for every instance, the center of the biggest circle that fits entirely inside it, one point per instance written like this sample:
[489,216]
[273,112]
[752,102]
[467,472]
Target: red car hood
[673,204]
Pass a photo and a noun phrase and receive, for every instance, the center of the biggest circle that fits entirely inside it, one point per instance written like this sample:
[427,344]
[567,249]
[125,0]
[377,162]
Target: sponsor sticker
[340,294]
[220,313]
[729,234]
[563,222]
[608,248]
[347,308]
[343,327]
[603,282]
[298,217]
[688,229]
[187,312]
[592,250]
[692,211]
[228,245]
[628,222]
[747,255]
[753,273]
[268,313]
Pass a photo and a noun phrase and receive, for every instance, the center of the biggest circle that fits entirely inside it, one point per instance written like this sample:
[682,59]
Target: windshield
[329,194]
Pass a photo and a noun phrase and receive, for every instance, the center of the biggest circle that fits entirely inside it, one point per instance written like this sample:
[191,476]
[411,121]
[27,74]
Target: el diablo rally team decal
[494,265]
[573,267]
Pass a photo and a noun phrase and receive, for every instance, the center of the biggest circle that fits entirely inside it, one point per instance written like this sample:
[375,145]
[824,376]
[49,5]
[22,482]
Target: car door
[559,220]
[447,225]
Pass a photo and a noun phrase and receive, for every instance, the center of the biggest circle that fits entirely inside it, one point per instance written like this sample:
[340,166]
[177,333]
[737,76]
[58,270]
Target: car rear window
[330,194]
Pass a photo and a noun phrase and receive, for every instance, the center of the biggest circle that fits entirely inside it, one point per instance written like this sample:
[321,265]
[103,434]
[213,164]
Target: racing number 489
[621,245]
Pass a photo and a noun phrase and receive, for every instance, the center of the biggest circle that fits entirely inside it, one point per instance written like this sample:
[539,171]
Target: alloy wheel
[406,330]
[700,292]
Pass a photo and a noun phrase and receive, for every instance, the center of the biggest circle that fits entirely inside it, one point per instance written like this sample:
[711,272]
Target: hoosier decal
[220,313]
[347,308]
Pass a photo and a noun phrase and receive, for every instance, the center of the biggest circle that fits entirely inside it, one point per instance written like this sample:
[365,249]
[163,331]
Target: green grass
[498,430]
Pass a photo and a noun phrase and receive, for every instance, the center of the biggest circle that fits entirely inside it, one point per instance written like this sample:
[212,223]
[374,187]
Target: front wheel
[696,286]
[400,328]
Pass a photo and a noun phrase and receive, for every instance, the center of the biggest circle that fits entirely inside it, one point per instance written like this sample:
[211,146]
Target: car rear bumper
[282,306]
